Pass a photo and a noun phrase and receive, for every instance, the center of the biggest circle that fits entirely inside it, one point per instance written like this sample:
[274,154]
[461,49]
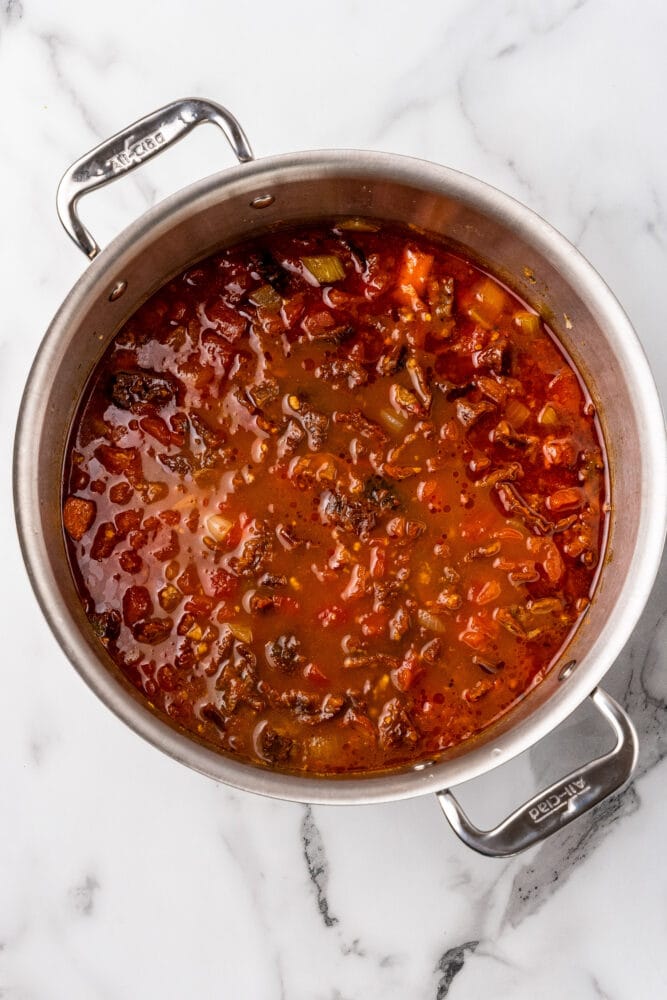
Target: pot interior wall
[218,212]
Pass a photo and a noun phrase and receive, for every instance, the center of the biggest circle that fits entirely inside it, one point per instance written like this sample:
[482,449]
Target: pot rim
[253,178]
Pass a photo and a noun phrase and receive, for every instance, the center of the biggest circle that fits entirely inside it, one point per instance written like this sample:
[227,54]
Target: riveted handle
[128,149]
[561,803]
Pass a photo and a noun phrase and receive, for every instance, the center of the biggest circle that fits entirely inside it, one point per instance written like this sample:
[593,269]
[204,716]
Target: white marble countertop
[123,874]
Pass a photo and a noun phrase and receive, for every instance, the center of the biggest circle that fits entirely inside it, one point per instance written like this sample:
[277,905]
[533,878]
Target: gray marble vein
[554,863]
[83,895]
[59,49]
[599,992]
[12,11]
[317,865]
[451,964]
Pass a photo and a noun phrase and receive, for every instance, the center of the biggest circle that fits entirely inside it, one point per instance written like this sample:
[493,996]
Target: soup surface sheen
[334,499]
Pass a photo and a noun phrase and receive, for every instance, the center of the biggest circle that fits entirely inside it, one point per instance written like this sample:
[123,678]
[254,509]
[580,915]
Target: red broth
[334,499]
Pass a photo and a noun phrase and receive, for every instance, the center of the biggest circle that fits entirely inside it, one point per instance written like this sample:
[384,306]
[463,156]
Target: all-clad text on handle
[134,145]
[552,809]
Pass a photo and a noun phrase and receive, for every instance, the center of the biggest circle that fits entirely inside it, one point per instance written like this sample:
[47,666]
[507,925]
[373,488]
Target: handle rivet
[262,201]
[117,290]
[567,670]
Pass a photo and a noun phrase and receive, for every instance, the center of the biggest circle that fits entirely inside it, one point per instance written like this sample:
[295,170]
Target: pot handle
[552,809]
[126,150]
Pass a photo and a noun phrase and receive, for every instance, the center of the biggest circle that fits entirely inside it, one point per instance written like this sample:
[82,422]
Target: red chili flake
[222,584]
[78,515]
[166,678]
[199,605]
[288,605]
[313,673]
[121,493]
[128,520]
[227,322]
[169,546]
[378,562]
[374,623]
[410,670]
[137,604]
[106,538]
[333,615]
[188,582]
[130,562]
[120,461]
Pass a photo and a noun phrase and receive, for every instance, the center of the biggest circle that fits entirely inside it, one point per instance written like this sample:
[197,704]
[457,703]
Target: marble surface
[122,874]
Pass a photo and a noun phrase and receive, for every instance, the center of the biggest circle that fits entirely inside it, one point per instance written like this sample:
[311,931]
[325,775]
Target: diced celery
[529,323]
[266,297]
[241,632]
[358,225]
[325,268]
[490,301]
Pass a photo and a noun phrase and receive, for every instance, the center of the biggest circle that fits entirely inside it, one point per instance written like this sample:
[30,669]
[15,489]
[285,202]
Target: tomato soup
[334,499]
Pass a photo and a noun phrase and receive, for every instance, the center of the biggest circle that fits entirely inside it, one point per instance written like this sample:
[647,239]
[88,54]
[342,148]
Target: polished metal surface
[517,245]
[126,150]
[564,801]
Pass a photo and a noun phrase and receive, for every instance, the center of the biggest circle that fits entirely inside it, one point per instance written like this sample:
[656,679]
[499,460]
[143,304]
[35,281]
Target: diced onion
[218,527]
[545,606]
[186,501]
[169,597]
[394,422]
[429,621]
[241,632]
[516,413]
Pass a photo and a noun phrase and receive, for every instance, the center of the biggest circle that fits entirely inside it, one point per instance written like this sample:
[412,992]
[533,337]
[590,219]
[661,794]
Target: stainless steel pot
[515,244]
